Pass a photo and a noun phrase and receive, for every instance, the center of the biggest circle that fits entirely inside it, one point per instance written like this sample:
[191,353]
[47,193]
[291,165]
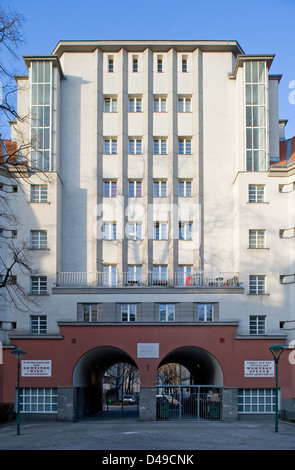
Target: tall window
[185,230]
[255,116]
[159,63]
[90,312]
[257,284]
[135,104]
[160,231]
[134,274]
[205,312]
[38,324]
[256,193]
[38,240]
[160,275]
[135,63]
[128,312]
[184,146]
[110,105]
[184,188]
[184,63]
[110,275]
[257,325]
[110,63]
[41,115]
[184,275]
[160,104]
[160,188]
[134,231]
[256,238]
[160,146]
[39,193]
[110,231]
[184,104]
[110,146]
[38,285]
[167,312]
[135,146]
[134,188]
[110,188]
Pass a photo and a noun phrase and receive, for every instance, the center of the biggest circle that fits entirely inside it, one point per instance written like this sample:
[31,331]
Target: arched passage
[89,373]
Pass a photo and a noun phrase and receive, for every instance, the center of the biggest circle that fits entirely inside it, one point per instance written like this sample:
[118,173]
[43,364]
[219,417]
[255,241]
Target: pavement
[122,431]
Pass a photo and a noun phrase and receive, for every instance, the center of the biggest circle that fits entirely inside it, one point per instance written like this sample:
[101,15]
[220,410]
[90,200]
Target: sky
[259,26]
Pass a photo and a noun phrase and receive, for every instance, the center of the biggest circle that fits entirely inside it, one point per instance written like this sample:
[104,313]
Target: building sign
[148,350]
[36,368]
[259,368]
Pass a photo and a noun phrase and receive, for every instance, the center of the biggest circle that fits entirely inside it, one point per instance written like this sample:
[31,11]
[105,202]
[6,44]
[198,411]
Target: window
[110,105]
[184,104]
[167,312]
[38,400]
[39,193]
[184,275]
[38,324]
[135,63]
[110,146]
[160,189]
[256,193]
[256,400]
[110,231]
[160,275]
[135,105]
[134,188]
[38,240]
[257,325]
[256,238]
[160,146]
[110,63]
[39,285]
[135,146]
[109,275]
[184,188]
[205,312]
[160,231]
[90,312]
[184,64]
[160,104]
[128,312]
[134,231]
[184,146]
[257,284]
[134,274]
[110,188]
[160,63]
[185,230]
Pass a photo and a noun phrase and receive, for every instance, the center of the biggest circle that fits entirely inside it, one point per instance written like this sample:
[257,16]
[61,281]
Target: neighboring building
[161,227]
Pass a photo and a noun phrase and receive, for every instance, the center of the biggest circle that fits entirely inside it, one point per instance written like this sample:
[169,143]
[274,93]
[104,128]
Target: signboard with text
[258,368]
[36,369]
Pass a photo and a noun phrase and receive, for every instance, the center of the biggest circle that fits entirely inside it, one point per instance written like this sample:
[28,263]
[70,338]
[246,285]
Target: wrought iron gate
[195,402]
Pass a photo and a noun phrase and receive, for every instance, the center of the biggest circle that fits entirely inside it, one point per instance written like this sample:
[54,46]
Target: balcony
[149,279]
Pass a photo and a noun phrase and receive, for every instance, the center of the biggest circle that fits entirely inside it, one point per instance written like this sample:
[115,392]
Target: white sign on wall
[148,350]
[36,369]
[259,368]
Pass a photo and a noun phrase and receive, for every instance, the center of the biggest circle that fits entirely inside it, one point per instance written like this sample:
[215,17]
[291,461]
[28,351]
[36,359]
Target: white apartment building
[160,220]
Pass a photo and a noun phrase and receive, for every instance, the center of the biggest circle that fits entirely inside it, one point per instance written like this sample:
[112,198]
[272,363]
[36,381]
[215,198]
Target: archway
[89,373]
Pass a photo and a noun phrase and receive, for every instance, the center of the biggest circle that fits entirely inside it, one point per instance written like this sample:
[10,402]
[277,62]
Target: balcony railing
[149,279]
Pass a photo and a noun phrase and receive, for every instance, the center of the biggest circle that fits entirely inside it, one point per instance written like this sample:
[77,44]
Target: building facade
[159,216]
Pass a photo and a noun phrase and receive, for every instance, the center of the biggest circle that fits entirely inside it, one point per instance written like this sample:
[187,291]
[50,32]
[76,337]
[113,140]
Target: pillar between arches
[148,404]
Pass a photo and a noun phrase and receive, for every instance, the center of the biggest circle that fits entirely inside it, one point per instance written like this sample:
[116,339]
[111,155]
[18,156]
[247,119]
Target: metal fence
[194,402]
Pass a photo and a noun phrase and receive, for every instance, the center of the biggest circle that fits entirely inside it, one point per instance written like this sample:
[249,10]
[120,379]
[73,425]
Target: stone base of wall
[148,404]
[230,404]
[66,404]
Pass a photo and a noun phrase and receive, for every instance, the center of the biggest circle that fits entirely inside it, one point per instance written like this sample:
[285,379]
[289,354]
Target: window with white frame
[38,285]
[160,146]
[135,146]
[134,188]
[111,63]
[110,275]
[184,188]
[167,312]
[160,104]
[185,230]
[205,312]
[90,312]
[110,146]
[110,188]
[160,231]
[160,274]
[256,193]
[257,325]
[39,193]
[184,146]
[256,238]
[38,400]
[135,104]
[135,63]
[184,63]
[256,400]
[134,274]
[128,312]
[110,231]
[184,276]
[184,104]
[159,63]
[110,104]
[134,231]
[257,284]
[38,240]
[160,188]
[38,324]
